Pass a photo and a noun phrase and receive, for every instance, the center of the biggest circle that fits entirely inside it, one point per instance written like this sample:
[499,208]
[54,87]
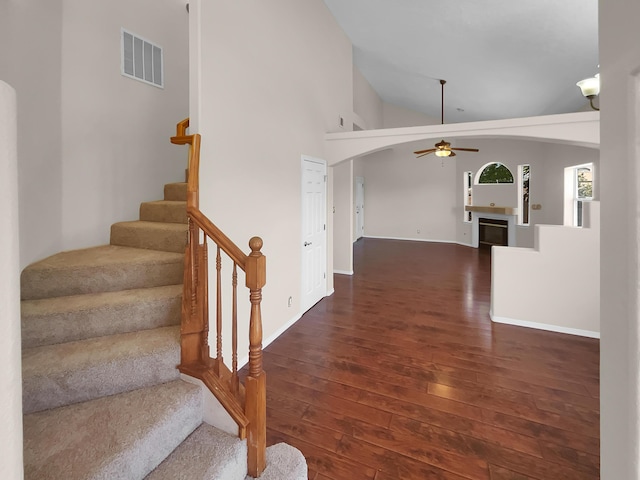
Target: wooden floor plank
[401,374]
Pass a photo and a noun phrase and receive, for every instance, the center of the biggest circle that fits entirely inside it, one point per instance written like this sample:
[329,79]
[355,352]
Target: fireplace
[492,232]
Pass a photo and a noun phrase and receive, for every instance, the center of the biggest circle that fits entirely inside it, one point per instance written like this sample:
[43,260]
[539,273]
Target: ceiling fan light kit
[442,148]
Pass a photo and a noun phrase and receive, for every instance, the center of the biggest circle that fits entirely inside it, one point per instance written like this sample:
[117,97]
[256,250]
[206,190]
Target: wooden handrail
[195,358]
[218,236]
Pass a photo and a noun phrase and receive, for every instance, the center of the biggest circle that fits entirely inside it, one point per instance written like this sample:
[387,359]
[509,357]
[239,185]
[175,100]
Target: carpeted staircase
[102,397]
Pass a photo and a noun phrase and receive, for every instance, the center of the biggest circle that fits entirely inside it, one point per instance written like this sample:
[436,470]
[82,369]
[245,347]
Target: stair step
[167,237]
[208,453]
[119,437]
[67,373]
[284,462]
[100,269]
[168,211]
[176,191]
[68,319]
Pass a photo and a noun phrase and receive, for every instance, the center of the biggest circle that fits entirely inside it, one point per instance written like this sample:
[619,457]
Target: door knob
[306,244]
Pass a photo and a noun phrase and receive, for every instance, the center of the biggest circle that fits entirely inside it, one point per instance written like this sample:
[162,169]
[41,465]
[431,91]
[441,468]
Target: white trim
[464,244]
[544,326]
[330,292]
[343,272]
[411,239]
[267,341]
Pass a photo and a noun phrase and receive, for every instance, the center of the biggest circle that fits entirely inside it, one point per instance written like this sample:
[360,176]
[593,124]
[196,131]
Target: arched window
[494,172]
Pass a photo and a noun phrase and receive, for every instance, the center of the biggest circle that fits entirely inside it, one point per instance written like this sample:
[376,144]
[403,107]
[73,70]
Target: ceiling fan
[442,148]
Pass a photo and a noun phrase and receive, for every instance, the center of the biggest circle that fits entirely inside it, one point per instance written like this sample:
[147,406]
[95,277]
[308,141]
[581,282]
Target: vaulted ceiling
[500,58]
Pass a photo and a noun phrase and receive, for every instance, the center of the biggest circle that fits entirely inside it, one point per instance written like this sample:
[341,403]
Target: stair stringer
[213,413]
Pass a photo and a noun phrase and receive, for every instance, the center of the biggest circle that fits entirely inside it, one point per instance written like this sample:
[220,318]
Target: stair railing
[245,404]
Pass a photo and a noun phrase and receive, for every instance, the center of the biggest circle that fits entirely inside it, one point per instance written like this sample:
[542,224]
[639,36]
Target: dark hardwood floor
[401,374]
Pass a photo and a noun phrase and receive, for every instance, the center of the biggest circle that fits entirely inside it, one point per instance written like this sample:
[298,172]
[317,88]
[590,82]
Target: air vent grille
[141,59]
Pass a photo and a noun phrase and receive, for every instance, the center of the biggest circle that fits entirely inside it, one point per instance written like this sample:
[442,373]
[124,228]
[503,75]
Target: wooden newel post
[256,387]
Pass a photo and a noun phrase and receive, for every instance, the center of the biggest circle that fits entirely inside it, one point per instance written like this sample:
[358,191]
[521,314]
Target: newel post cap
[256,271]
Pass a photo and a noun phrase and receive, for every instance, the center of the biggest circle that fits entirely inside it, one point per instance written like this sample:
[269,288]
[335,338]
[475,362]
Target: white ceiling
[500,58]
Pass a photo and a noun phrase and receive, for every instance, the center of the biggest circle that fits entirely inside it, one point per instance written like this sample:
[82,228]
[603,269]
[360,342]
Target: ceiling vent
[141,59]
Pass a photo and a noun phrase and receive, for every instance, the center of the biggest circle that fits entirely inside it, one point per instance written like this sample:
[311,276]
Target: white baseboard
[411,239]
[266,341]
[330,292]
[343,272]
[464,244]
[544,326]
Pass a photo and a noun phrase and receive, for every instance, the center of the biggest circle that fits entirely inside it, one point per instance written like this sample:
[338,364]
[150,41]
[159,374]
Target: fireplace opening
[492,232]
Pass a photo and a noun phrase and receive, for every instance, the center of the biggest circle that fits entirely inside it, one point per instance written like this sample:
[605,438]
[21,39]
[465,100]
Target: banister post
[255,383]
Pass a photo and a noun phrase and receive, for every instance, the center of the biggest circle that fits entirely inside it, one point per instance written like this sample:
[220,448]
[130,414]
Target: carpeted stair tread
[119,437]
[67,373]
[168,237]
[208,453]
[67,319]
[176,191]
[168,211]
[100,269]
[284,462]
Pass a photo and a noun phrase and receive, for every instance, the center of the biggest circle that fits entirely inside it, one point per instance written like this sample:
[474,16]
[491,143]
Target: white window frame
[521,221]
[572,215]
[467,200]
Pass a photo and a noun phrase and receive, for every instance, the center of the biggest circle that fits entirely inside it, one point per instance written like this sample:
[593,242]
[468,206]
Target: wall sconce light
[590,88]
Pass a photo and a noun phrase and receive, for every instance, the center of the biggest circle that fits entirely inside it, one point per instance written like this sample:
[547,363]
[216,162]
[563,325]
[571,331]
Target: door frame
[307,158]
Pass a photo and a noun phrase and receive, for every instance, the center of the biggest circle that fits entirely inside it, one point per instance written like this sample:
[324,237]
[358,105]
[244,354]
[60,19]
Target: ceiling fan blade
[429,150]
[452,154]
[422,155]
[466,149]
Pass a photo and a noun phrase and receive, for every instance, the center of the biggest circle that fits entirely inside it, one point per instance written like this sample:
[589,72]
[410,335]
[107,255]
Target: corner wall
[619,191]
[115,130]
[30,60]
[343,217]
[563,270]
[10,347]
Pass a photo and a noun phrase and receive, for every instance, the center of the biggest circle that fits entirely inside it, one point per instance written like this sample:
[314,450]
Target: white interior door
[314,231]
[359,207]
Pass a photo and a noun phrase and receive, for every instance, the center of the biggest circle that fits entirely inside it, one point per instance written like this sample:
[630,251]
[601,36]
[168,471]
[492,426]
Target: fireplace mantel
[492,209]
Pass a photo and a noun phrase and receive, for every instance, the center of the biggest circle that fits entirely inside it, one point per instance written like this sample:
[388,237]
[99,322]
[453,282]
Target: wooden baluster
[191,327]
[218,311]
[234,332]
[194,234]
[204,300]
[256,391]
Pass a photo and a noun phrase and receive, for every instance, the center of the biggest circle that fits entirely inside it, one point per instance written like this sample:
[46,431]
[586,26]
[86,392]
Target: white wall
[92,144]
[272,79]
[115,130]
[563,269]
[30,60]
[343,216]
[404,194]
[619,177]
[396,117]
[547,162]
[10,375]
[366,102]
